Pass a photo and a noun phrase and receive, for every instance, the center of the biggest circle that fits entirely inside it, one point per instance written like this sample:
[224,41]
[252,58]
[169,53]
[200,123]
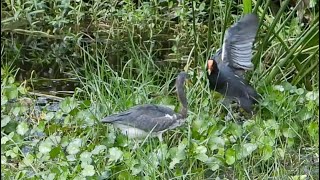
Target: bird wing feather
[238,42]
[145,117]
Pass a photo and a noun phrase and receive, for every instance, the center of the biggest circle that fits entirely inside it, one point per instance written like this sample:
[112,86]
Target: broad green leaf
[4,100]
[55,152]
[173,162]
[71,157]
[45,147]
[288,133]
[248,148]
[74,146]
[12,92]
[313,129]
[115,154]
[85,157]
[267,152]
[201,153]
[4,140]
[16,110]
[68,104]
[216,142]
[88,170]
[230,156]
[28,159]
[5,119]
[22,128]
[312,96]
[3,159]
[272,124]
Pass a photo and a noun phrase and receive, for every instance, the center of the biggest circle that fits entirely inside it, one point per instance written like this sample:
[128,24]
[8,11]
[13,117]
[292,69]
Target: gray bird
[140,121]
[226,68]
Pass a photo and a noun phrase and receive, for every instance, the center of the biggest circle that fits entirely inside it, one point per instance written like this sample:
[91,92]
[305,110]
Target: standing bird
[139,121]
[226,68]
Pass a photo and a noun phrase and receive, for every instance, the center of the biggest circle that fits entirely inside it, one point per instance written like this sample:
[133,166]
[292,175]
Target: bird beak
[209,65]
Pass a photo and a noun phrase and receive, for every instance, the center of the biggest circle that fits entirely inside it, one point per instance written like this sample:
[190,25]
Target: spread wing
[145,117]
[238,42]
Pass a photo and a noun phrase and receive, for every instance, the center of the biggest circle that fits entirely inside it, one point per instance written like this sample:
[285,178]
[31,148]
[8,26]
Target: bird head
[212,62]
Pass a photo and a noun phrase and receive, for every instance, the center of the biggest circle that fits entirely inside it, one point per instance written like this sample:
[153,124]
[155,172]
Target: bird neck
[182,98]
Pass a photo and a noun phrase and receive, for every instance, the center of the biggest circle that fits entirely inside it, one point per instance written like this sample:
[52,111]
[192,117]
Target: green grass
[281,141]
[126,68]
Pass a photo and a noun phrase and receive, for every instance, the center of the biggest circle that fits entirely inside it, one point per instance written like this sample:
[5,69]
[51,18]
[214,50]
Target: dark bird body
[227,67]
[139,121]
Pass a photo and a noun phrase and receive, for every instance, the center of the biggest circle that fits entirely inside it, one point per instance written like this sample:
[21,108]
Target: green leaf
[235,129]
[12,92]
[5,119]
[4,140]
[45,147]
[85,157]
[88,170]
[16,110]
[71,157]
[98,149]
[11,153]
[10,80]
[299,91]
[230,156]
[267,152]
[74,146]
[55,152]
[68,104]
[201,153]
[213,163]
[49,116]
[272,124]
[312,96]
[22,128]
[3,159]
[202,6]
[216,142]
[313,129]
[299,177]
[28,160]
[173,162]
[288,133]
[22,90]
[115,154]
[248,148]
[4,100]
